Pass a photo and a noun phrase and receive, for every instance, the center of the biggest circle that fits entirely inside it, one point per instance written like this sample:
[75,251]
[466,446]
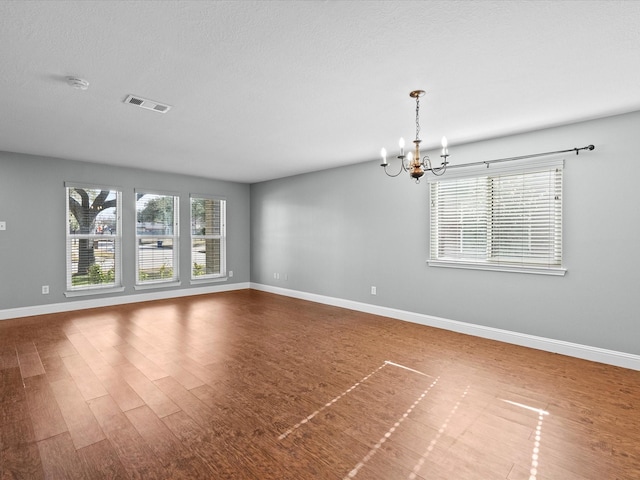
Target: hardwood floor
[250,385]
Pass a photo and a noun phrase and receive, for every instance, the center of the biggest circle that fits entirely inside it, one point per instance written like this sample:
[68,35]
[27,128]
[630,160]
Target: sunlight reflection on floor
[533,472]
[387,435]
[414,474]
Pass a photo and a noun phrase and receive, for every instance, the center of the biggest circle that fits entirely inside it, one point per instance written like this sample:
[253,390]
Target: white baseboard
[595,354]
[116,300]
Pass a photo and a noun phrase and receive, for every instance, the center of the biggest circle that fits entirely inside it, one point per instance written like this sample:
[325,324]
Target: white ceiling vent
[148,104]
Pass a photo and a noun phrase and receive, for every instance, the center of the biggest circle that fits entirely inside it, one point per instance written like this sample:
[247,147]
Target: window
[156,238]
[93,239]
[507,217]
[207,238]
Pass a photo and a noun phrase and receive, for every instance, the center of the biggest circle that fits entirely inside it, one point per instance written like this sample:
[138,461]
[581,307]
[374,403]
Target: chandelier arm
[440,170]
[437,171]
[402,168]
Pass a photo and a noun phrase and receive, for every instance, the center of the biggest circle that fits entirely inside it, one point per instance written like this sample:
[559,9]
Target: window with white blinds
[156,238]
[499,218]
[93,239]
[208,238]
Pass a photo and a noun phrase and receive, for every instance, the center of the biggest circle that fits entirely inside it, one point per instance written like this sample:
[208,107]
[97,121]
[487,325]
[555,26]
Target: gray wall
[338,232]
[32,202]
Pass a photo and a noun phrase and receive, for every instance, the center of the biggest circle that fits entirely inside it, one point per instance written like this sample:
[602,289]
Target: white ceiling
[267,89]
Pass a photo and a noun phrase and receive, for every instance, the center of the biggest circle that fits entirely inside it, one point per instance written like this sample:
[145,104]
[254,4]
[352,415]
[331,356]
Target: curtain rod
[488,162]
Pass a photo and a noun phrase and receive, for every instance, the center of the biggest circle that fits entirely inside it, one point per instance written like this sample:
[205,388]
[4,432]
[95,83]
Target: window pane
[92,211]
[461,217]
[93,261]
[526,218]
[206,256]
[155,214]
[205,216]
[156,259]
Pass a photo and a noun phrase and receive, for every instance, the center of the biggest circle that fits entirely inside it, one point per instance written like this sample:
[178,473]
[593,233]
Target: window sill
[199,281]
[150,286]
[557,271]
[93,291]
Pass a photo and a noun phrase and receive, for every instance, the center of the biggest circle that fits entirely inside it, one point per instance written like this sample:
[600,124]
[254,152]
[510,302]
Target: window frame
[97,288]
[490,262]
[174,280]
[222,236]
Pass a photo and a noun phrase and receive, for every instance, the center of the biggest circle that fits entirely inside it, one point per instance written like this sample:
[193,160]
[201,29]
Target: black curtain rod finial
[588,147]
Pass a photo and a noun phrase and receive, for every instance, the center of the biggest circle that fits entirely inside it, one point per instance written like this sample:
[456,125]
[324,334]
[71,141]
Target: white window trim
[558,271]
[157,284]
[93,291]
[209,279]
[519,166]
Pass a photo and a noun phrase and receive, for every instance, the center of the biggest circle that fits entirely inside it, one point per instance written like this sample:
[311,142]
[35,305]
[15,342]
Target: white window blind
[156,238]
[208,238]
[93,238]
[503,218]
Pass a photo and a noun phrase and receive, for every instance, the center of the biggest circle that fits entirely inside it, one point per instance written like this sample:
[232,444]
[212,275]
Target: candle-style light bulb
[410,157]
[444,146]
[401,143]
[383,152]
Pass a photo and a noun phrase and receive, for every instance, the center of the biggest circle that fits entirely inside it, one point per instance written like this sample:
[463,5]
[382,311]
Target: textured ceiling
[263,90]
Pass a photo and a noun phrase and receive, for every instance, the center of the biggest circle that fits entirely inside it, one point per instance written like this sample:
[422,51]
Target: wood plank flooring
[250,385]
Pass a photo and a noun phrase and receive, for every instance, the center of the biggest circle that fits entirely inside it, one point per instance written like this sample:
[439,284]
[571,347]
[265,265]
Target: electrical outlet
[45,289]
[3,225]
[230,273]
[374,291]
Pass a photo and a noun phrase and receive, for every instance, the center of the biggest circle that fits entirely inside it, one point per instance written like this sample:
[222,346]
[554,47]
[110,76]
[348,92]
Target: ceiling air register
[147,104]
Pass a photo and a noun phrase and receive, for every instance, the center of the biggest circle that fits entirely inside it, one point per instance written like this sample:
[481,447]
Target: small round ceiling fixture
[77,83]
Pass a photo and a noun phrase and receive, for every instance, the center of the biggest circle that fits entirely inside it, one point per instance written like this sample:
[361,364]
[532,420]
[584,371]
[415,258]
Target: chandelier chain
[417,118]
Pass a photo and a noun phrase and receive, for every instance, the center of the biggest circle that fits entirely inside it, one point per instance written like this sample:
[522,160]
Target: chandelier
[411,162]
